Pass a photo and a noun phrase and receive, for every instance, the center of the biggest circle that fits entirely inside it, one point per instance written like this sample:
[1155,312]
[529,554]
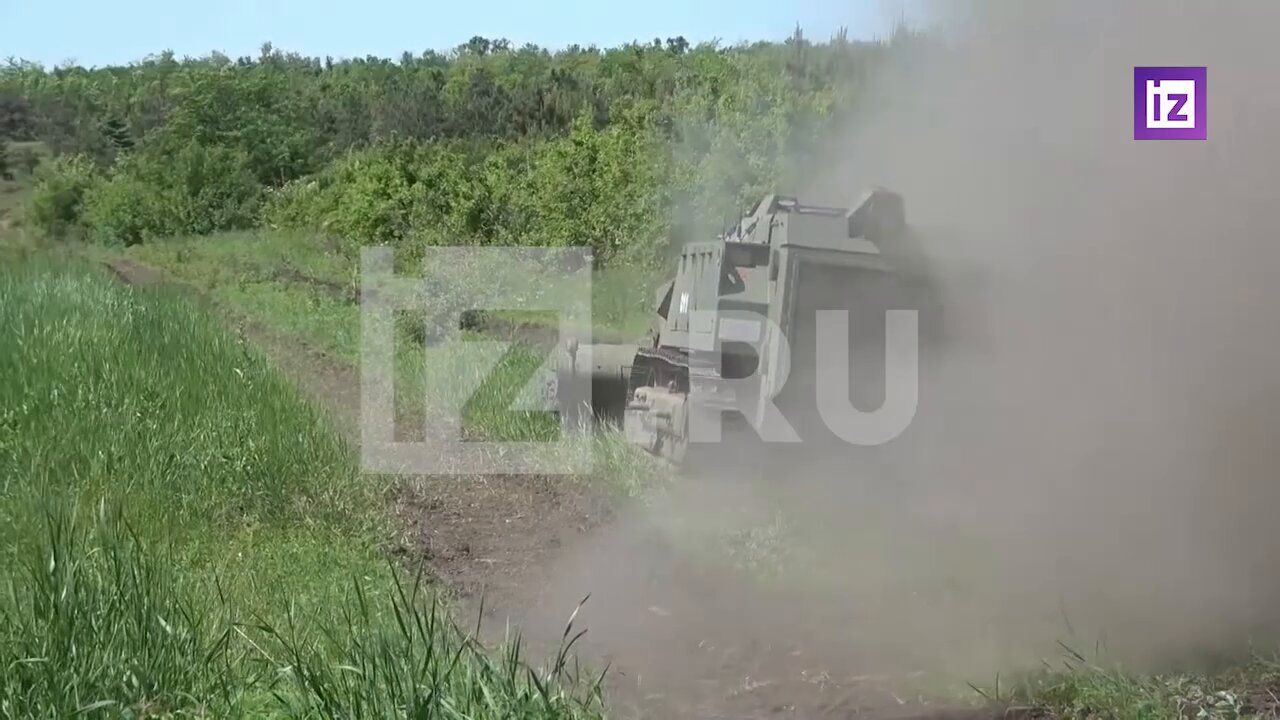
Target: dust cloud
[1094,456]
[1105,404]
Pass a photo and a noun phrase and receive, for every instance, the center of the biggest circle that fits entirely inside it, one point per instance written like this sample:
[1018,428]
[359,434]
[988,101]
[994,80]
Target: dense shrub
[26,159]
[602,189]
[126,210]
[606,190]
[15,115]
[193,190]
[406,194]
[368,197]
[59,194]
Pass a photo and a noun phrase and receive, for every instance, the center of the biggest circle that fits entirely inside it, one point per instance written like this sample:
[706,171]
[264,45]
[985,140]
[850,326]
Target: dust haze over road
[1095,453]
[1108,401]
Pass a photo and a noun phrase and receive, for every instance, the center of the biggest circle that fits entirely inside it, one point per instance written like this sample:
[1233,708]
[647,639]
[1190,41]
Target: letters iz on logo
[1170,103]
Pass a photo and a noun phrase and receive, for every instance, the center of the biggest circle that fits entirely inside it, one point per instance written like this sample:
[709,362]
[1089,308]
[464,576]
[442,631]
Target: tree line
[622,149]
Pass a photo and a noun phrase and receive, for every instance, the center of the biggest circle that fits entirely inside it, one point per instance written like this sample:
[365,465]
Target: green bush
[58,198]
[602,189]
[125,210]
[27,159]
[190,190]
[397,194]
[216,188]
[373,196]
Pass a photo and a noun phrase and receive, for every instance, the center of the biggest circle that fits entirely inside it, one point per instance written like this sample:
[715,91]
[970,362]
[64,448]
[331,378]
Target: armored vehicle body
[735,329]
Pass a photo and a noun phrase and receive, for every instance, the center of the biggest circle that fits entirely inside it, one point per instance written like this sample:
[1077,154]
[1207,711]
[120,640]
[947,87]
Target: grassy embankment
[182,533]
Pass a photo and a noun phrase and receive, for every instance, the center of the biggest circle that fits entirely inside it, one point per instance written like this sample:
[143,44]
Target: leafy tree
[117,135]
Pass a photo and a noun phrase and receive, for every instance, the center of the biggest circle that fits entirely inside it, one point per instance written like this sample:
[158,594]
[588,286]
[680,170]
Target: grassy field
[183,534]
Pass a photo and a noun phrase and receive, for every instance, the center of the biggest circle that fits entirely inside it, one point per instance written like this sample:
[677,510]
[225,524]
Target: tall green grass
[93,621]
[182,534]
[301,288]
[121,394]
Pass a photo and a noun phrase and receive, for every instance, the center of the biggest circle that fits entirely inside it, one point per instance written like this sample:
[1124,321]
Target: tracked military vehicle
[783,261]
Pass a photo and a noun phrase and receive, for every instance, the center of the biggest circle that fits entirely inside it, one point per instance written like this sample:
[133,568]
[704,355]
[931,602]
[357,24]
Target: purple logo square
[1170,103]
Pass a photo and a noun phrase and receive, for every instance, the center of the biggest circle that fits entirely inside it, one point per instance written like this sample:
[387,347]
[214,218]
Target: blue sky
[93,32]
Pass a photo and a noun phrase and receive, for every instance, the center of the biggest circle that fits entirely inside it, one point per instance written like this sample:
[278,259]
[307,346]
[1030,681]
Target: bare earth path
[679,644]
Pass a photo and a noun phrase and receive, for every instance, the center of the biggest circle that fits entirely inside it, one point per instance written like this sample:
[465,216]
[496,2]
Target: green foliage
[117,136]
[97,621]
[193,190]
[1089,688]
[125,210]
[605,190]
[376,196]
[602,189]
[424,666]
[6,169]
[127,377]
[59,194]
[15,115]
[258,112]
[94,622]
[621,150]
[26,159]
